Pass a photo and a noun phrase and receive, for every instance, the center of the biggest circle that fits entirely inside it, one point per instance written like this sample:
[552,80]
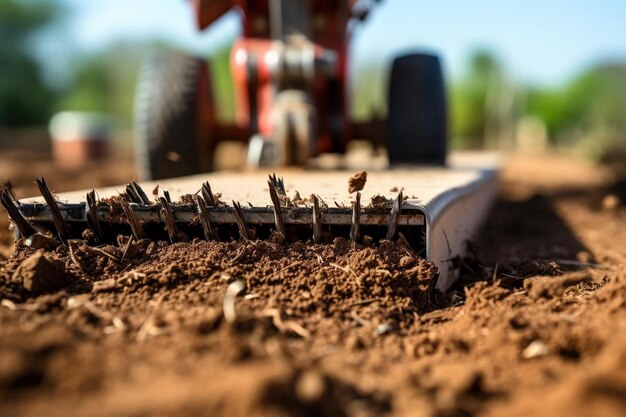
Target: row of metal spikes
[205,198]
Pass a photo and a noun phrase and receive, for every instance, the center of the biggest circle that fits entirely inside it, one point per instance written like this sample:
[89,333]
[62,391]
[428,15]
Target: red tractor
[290,72]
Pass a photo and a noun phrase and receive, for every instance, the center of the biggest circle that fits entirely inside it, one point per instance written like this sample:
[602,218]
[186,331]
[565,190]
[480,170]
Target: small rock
[382,329]
[535,349]
[357,182]
[610,202]
[40,274]
[310,386]
[39,241]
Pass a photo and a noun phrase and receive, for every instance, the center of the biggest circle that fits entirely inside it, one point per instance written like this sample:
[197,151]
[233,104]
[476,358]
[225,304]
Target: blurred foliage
[105,82]
[594,100]
[25,99]
[222,82]
[371,100]
[468,97]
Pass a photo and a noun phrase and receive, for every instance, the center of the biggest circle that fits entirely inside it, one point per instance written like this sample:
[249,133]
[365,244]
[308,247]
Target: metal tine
[207,195]
[323,204]
[241,221]
[317,220]
[57,219]
[393,216]
[281,185]
[278,214]
[170,223]
[133,221]
[8,201]
[141,193]
[355,227]
[8,186]
[203,214]
[137,194]
[131,195]
[91,212]
[278,182]
[166,194]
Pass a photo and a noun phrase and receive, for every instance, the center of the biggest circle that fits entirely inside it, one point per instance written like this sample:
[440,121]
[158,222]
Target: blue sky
[542,41]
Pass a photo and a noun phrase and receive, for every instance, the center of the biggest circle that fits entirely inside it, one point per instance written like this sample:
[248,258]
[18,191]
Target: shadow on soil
[521,239]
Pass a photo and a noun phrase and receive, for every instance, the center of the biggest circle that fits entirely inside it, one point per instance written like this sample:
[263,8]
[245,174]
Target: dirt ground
[536,325]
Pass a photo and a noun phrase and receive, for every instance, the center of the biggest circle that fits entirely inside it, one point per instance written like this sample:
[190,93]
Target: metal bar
[72,213]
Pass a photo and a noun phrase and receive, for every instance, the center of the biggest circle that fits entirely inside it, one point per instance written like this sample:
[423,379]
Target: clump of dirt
[187,199]
[297,200]
[379,201]
[40,274]
[550,287]
[114,204]
[357,182]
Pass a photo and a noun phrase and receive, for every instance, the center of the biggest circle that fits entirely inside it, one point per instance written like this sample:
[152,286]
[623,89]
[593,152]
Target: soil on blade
[357,182]
[534,327]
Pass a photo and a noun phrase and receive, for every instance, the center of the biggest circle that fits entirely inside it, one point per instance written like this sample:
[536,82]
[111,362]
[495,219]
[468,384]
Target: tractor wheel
[170,124]
[417,121]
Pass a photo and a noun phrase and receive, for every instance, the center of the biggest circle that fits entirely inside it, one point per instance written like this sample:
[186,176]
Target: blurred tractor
[290,71]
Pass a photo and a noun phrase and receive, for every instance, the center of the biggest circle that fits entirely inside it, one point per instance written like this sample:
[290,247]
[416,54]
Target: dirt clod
[41,274]
[549,287]
[378,201]
[357,182]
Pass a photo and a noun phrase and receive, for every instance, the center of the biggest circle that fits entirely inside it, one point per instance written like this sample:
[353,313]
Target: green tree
[25,99]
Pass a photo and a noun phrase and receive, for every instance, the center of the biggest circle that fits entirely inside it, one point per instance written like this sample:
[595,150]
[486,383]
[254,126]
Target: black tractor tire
[417,111]
[167,125]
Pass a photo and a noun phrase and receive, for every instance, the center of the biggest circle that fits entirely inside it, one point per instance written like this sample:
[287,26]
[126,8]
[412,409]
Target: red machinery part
[255,91]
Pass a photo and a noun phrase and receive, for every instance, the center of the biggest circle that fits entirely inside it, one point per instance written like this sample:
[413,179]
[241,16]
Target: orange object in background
[78,138]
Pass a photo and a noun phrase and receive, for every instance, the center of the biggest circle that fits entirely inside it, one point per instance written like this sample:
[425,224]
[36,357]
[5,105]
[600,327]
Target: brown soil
[534,327]
[357,182]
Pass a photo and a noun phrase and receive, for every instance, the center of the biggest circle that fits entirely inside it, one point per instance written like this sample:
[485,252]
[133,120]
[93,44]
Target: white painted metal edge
[453,218]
